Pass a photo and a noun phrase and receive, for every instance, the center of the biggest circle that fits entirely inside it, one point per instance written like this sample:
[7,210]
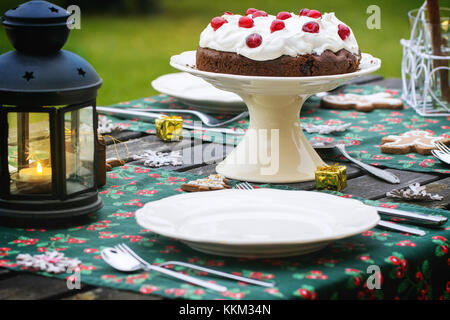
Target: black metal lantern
[48,119]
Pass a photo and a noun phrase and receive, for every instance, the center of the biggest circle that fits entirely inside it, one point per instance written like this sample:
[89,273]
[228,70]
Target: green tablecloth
[363,136]
[412,267]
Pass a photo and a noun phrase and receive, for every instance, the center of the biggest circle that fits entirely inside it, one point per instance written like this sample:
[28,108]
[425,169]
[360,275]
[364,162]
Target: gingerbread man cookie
[365,103]
[412,141]
[213,182]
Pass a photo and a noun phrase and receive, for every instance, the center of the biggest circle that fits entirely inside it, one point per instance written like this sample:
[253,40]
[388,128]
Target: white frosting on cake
[291,40]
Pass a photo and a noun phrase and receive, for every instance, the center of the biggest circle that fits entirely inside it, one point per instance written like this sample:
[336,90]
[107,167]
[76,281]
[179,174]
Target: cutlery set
[124,259]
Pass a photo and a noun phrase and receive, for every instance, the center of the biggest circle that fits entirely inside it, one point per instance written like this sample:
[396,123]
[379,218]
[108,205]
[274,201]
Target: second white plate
[199,94]
[260,223]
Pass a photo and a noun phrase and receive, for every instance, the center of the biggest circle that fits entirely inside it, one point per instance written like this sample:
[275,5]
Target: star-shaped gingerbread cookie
[212,182]
[359,102]
[411,141]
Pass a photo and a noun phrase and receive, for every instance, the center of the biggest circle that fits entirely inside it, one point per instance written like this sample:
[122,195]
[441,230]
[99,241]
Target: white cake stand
[274,149]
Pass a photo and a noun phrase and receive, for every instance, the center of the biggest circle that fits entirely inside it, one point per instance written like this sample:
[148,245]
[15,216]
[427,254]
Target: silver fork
[148,267]
[208,120]
[442,152]
[244,186]
[442,147]
[219,273]
[384,224]
[208,270]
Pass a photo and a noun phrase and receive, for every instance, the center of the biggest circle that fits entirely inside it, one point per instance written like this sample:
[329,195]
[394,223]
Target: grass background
[129,51]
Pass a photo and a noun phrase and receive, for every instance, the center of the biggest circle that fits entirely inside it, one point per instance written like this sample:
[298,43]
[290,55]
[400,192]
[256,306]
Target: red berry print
[259,13]
[276,25]
[254,40]
[304,293]
[246,22]
[311,27]
[400,273]
[283,15]
[250,11]
[217,22]
[228,13]
[343,31]
[394,260]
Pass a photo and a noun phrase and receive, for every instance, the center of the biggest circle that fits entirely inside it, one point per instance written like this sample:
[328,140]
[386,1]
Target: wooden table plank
[27,286]
[123,136]
[5,273]
[352,171]
[150,142]
[111,294]
[440,187]
[370,187]
[197,156]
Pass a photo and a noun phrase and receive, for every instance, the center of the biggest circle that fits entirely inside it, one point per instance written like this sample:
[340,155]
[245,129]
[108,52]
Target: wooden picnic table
[20,285]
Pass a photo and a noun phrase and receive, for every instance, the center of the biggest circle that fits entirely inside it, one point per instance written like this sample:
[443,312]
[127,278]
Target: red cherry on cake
[283,15]
[228,13]
[217,22]
[246,22]
[314,14]
[259,13]
[276,25]
[303,12]
[310,13]
[254,40]
[250,11]
[311,27]
[343,31]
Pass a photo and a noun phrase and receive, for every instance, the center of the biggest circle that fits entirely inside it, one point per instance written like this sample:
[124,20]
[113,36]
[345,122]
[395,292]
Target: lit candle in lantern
[36,180]
[38,174]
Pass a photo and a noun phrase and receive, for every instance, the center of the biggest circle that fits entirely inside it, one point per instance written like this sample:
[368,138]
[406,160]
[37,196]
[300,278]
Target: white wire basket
[420,76]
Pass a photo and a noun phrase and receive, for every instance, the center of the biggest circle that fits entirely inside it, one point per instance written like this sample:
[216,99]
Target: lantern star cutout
[81,72]
[28,76]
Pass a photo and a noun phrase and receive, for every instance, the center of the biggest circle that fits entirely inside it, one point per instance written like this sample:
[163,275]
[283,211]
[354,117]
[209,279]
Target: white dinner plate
[199,94]
[258,223]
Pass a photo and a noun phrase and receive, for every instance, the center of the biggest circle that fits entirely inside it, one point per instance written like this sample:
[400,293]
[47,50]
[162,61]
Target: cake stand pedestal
[274,149]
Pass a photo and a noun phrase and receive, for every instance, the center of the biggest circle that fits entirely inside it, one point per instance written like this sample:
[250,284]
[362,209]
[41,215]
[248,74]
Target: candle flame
[39,168]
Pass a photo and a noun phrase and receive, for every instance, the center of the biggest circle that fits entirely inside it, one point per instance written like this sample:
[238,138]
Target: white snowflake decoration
[154,159]
[106,125]
[413,192]
[325,129]
[50,261]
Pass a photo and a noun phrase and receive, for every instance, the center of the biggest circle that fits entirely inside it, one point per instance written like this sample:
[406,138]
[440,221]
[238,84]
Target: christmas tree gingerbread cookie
[359,102]
[411,141]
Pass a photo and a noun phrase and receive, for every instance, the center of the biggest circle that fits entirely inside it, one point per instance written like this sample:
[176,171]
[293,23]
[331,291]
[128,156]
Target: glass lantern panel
[79,144]
[29,153]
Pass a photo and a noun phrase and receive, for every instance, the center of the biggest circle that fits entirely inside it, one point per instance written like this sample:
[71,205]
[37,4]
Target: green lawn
[129,52]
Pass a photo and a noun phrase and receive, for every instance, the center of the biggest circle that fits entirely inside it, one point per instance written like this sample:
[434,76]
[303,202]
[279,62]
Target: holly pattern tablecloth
[363,136]
[411,267]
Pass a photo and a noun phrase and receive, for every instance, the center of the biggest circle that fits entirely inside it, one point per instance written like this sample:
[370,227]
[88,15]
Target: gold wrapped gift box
[169,128]
[331,177]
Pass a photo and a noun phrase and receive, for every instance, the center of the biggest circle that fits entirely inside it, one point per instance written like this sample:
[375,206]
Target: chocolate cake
[286,45]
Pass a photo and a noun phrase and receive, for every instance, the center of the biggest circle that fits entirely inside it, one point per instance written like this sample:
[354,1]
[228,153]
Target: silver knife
[396,227]
[414,217]
[127,114]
